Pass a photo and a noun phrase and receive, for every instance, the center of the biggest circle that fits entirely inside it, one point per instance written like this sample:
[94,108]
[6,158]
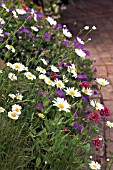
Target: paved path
[100,14]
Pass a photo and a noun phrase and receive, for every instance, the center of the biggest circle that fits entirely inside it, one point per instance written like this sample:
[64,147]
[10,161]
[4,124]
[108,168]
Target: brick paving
[98,13]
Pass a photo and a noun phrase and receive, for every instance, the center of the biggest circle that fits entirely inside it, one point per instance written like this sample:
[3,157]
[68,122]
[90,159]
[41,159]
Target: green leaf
[38,161]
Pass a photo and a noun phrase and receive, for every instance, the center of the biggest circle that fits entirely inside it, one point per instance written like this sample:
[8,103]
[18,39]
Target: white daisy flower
[21,11]
[12,76]
[19,96]
[94,28]
[96,105]
[17,109]
[86,27]
[44,61]
[12,96]
[41,70]
[80,41]
[13,115]
[59,84]
[4,6]
[110,124]
[1,33]
[94,165]
[42,76]
[51,21]
[1,71]
[87,91]
[34,29]
[1,109]
[14,14]
[65,79]
[54,69]
[18,66]
[30,76]
[62,104]
[80,53]
[9,64]
[10,47]
[72,92]
[102,81]
[49,82]
[67,33]
[2,21]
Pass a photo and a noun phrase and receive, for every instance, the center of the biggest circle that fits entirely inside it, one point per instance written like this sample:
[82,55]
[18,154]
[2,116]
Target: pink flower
[105,111]
[97,142]
[94,116]
[84,84]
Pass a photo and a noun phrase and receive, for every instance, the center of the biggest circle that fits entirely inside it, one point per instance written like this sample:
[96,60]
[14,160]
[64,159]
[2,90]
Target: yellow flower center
[102,83]
[0,20]
[12,77]
[17,109]
[1,109]
[85,91]
[71,92]
[41,69]
[61,105]
[49,82]
[94,166]
[17,66]
[13,114]
[111,125]
[11,47]
[18,97]
[96,106]
[30,76]
[75,70]
[41,115]
[59,84]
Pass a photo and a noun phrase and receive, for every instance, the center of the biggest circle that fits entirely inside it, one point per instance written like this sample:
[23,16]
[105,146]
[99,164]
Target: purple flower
[60,93]
[87,52]
[82,76]
[75,115]
[40,15]
[85,98]
[95,92]
[50,98]
[40,106]
[67,64]
[67,43]
[77,126]
[34,38]
[40,94]
[41,48]
[47,36]
[74,107]
[88,112]
[48,73]
[58,26]
[61,64]
[77,45]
